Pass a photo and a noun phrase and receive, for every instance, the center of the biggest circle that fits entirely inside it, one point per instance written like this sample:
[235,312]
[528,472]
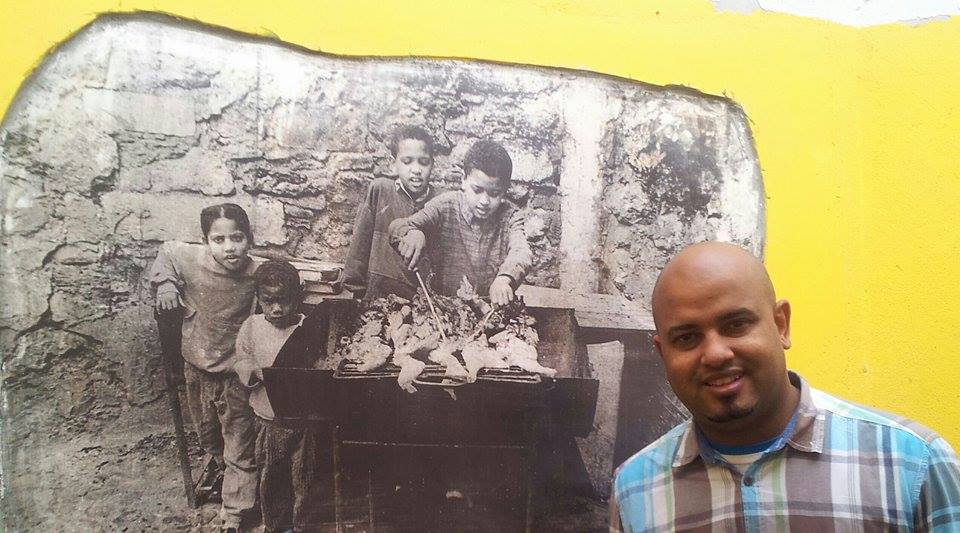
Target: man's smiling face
[722,338]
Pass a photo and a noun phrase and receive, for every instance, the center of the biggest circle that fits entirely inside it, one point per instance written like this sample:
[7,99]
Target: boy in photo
[288,457]
[474,232]
[371,265]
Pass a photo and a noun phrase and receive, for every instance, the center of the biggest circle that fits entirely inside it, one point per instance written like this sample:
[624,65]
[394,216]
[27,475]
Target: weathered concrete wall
[125,132]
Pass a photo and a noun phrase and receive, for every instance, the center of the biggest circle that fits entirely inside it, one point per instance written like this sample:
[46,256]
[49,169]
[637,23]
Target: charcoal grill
[496,422]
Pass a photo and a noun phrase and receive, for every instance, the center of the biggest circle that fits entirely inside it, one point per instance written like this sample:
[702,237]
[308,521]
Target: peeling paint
[857,13]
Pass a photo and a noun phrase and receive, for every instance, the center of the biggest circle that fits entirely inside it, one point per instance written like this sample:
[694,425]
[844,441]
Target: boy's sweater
[460,245]
[216,301]
[371,262]
[258,344]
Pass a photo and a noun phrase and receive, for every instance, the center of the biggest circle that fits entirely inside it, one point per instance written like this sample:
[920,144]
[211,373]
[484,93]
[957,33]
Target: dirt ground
[130,482]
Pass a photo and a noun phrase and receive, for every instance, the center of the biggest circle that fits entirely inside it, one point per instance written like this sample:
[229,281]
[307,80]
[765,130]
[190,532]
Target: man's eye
[218,240]
[426,161]
[735,327]
[685,341]
[406,160]
[239,238]
[477,190]
[495,194]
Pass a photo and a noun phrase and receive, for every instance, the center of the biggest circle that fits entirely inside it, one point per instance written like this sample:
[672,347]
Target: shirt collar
[807,434]
[419,199]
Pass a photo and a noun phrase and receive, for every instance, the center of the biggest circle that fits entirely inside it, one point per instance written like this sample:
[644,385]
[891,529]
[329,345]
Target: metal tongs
[433,310]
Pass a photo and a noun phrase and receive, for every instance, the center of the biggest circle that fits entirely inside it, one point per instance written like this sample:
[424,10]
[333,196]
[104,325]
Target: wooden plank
[602,311]
[596,449]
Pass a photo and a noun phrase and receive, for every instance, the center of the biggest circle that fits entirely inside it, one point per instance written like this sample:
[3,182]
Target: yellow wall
[856,131]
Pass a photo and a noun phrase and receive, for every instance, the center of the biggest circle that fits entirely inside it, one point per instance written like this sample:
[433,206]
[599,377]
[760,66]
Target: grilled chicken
[483,336]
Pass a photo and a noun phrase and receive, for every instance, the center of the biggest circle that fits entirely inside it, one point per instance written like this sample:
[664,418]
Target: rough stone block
[197,171]
[153,113]
[24,298]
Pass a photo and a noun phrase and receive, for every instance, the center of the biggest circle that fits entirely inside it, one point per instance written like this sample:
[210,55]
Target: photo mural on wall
[127,130]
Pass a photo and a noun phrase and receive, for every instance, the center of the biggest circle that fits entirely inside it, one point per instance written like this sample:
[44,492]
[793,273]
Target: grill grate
[436,373]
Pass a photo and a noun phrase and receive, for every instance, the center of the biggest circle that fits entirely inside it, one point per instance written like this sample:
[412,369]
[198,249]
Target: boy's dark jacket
[371,263]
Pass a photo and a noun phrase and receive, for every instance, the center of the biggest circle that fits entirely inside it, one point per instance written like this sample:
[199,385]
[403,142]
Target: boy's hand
[411,247]
[501,293]
[168,301]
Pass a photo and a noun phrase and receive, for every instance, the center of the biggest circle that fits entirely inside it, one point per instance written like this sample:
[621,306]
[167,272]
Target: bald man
[764,451]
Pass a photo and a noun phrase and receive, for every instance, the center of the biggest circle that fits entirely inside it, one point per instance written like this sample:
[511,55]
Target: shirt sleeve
[246,364]
[427,220]
[938,507]
[165,274]
[519,257]
[358,257]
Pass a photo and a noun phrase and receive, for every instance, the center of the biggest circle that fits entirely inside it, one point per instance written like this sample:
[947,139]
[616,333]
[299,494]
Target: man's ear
[781,316]
[656,344]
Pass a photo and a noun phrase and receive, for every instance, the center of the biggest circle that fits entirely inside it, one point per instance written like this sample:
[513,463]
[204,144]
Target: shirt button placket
[749,493]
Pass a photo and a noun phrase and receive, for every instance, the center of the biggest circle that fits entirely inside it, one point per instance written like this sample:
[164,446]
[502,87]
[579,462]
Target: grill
[443,458]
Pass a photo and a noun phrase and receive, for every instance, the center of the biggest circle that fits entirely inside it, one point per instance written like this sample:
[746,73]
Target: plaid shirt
[842,468]
[461,245]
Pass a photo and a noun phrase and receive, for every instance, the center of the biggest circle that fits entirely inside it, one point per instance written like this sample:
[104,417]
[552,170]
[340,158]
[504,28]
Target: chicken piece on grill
[519,353]
[370,353]
[478,354]
[410,368]
[406,354]
[444,355]
[412,344]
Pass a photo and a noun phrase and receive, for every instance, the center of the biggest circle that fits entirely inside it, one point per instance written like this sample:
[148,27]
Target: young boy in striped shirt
[474,232]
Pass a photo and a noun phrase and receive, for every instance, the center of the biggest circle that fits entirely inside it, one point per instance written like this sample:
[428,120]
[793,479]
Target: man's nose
[716,350]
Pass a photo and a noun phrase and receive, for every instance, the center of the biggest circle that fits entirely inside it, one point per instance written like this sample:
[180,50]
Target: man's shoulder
[870,417]
[656,458]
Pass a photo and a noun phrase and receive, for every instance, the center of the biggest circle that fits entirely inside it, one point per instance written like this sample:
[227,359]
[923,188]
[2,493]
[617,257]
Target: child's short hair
[490,158]
[279,274]
[410,132]
[229,211]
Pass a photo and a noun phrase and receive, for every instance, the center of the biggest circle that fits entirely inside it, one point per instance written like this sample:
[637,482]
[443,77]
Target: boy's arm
[358,257]
[426,220]
[519,257]
[408,235]
[249,373]
[165,275]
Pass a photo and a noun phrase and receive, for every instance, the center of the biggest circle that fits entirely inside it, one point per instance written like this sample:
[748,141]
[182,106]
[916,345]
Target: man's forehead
[701,274]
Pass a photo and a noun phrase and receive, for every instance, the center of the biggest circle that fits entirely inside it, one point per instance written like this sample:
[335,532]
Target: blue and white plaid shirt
[843,468]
